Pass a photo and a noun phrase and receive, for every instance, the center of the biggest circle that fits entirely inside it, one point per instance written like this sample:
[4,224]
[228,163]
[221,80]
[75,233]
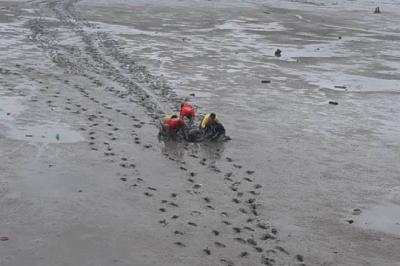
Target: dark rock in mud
[278,53]
[333,103]
[339,87]
[350,221]
[265,81]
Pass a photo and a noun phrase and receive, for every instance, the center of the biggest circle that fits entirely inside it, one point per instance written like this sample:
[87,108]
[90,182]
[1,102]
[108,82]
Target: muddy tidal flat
[308,90]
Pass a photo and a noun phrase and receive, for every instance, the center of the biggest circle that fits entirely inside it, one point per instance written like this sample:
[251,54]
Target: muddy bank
[85,181]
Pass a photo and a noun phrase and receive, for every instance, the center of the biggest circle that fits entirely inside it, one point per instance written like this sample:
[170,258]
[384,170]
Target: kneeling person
[212,127]
[171,126]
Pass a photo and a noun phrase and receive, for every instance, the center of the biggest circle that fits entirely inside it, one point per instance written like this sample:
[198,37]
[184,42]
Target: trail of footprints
[255,236]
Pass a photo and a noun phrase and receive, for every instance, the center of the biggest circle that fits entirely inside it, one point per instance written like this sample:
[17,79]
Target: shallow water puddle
[10,107]
[57,133]
[381,218]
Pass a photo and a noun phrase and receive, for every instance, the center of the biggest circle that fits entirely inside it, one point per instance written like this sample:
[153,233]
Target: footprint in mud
[248,228]
[226,222]
[207,251]
[219,244]
[196,186]
[229,179]
[173,204]
[240,240]
[224,214]
[258,249]
[263,226]
[192,224]
[299,258]
[235,200]
[252,192]
[244,211]
[267,236]
[250,172]
[237,166]
[244,254]
[174,195]
[267,261]
[195,213]
[174,217]
[227,262]
[177,232]
[148,194]
[236,230]
[251,241]
[248,179]
[257,186]
[215,232]
[210,207]
[163,222]
[229,174]
[281,249]
[180,244]
[229,159]
[162,209]
[123,179]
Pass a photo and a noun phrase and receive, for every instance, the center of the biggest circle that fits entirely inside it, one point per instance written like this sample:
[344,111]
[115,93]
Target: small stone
[278,53]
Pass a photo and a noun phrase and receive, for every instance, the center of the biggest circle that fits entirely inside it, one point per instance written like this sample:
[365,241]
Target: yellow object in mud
[206,120]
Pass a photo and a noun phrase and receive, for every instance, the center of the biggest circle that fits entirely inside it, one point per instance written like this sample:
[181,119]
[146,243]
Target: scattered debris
[340,87]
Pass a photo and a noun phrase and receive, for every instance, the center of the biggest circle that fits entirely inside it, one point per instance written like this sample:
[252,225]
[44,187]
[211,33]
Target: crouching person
[172,127]
[212,128]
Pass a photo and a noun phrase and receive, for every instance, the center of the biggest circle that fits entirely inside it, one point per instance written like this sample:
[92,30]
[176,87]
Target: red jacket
[175,123]
[187,110]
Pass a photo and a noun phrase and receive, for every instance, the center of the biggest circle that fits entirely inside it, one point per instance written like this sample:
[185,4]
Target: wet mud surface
[85,181]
